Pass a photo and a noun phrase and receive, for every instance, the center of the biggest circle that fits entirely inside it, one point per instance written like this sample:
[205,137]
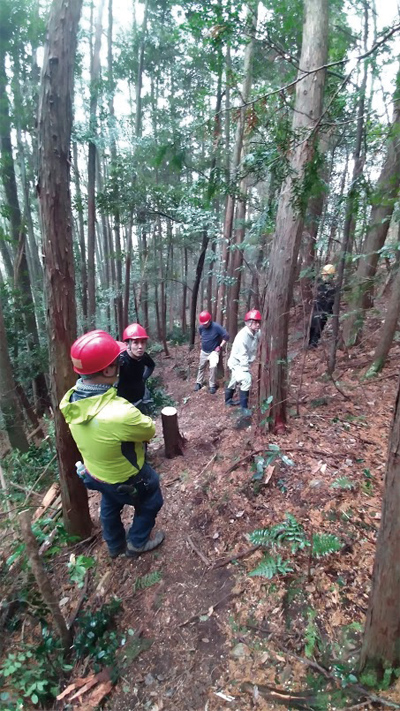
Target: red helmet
[94,351]
[253,315]
[134,330]
[204,317]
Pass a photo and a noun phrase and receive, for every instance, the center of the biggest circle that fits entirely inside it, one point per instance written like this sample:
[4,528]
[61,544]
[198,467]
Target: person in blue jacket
[212,338]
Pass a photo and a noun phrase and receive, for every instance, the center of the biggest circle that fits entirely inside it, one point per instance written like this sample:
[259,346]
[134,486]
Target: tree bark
[91,220]
[196,287]
[22,282]
[81,233]
[55,123]
[384,200]
[233,183]
[9,404]
[289,220]
[173,440]
[388,329]
[381,643]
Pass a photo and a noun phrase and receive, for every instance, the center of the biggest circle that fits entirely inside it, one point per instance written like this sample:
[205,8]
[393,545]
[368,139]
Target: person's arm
[135,427]
[149,366]
[224,336]
[241,351]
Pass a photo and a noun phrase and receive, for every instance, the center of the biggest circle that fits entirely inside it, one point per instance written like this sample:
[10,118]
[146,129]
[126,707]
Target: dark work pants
[318,321]
[145,497]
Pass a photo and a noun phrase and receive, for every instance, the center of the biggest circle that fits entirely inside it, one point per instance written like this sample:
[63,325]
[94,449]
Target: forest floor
[219,638]
[211,637]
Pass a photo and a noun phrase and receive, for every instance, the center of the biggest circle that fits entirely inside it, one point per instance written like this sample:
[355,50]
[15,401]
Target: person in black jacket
[136,366]
[323,304]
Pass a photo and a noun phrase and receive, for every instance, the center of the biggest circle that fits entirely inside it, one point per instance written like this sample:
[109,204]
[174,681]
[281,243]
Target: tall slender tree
[383,201]
[55,122]
[381,643]
[9,405]
[290,216]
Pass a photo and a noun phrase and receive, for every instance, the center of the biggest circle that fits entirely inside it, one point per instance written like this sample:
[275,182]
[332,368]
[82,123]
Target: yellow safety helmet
[328,270]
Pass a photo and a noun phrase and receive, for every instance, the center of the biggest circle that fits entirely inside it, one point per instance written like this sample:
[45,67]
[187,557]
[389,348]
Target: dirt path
[208,626]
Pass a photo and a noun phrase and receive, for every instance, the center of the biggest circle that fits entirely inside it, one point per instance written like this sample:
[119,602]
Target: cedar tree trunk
[55,123]
[291,209]
[381,643]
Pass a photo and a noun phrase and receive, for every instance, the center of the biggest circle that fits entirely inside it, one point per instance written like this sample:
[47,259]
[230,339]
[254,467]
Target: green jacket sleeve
[136,427]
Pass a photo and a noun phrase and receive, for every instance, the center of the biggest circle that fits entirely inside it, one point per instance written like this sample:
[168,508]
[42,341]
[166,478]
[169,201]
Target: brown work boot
[133,551]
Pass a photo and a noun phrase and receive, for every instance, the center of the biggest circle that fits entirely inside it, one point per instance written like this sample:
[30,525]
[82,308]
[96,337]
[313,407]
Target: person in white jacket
[243,353]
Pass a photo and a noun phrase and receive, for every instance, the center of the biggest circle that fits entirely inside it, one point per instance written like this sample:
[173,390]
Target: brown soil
[215,628]
[215,638]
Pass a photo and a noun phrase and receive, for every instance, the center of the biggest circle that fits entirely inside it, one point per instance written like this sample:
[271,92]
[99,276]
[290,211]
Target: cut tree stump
[173,441]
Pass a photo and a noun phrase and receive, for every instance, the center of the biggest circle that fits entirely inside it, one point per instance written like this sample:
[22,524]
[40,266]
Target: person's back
[323,304]
[325,296]
[108,431]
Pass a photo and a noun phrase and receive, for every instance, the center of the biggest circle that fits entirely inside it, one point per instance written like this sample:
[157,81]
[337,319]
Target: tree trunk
[9,404]
[237,263]
[184,291]
[173,440]
[196,287]
[55,123]
[91,220]
[289,220]
[127,286]
[144,289]
[388,329]
[381,644]
[81,233]
[231,198]
[384,200]
[22,282]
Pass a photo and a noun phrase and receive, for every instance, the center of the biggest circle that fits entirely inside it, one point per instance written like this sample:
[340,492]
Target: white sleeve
[242,352]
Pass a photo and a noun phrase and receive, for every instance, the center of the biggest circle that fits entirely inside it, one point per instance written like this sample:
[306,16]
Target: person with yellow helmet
[323,304]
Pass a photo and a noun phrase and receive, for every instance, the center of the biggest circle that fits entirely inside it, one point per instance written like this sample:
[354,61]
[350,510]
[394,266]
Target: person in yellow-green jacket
[111,433]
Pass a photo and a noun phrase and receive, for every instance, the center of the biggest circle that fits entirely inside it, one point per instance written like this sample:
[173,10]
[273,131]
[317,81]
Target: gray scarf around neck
[86,389]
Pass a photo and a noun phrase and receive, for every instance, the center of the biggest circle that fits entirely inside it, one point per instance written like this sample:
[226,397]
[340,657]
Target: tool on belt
[129,489]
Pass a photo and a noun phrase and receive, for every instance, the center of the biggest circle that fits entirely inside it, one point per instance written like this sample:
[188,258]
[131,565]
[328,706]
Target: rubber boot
[244,419]
[229,401]
[244,399]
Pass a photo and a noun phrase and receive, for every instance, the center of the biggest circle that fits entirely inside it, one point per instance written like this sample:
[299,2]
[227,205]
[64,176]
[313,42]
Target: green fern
[290,532]
[325,544]
[261,537]
[271,566]
[343,482]
[146,581]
